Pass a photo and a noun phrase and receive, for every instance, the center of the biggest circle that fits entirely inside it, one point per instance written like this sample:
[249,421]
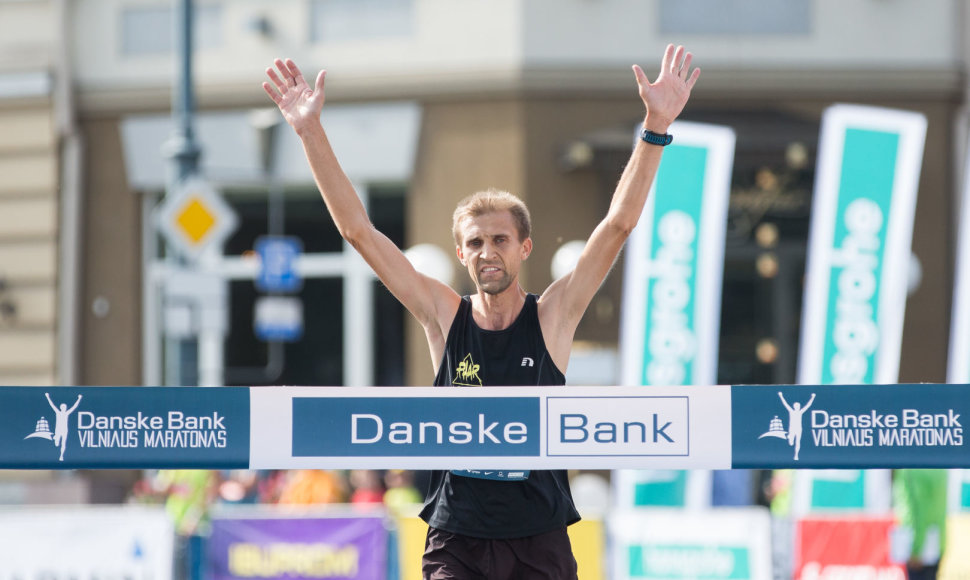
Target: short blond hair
[488,201]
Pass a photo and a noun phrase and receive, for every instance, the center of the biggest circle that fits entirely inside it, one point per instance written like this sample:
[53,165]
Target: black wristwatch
[662,139]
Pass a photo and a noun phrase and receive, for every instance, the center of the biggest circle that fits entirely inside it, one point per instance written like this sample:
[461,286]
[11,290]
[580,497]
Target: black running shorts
[452,556]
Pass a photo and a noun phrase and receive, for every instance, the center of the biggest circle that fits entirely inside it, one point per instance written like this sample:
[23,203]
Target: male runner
[515,526]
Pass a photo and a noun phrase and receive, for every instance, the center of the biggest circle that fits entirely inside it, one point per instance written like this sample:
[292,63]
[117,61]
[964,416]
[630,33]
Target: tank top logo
[466,374]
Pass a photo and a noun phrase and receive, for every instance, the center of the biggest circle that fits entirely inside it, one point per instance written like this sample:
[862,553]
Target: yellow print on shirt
[467,372]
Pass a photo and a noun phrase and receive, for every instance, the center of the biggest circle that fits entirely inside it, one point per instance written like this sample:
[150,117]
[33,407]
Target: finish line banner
[487,429]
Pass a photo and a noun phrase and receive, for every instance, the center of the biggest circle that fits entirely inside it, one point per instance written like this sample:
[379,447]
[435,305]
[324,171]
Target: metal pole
[182,147]
[266,122]
[184,151]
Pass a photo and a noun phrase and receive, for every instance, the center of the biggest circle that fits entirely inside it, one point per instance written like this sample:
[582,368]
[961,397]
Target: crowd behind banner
[192,496]
[363,524]
[219,538]
[188,492]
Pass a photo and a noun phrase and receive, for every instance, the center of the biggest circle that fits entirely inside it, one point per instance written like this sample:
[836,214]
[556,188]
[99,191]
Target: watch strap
[661,139]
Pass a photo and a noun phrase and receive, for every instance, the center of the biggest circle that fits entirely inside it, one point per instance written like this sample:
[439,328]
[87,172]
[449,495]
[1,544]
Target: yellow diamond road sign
[194,217]
[195,220]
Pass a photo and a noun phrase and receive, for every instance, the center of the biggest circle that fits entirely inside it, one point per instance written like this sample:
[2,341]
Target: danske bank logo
[62,415]
[415,427]
[618,426]
[839,425]
[109,428]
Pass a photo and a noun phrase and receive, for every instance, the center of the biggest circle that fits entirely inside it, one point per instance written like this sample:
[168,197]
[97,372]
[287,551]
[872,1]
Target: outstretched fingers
[285,76]
[677,63]
[685,67]
[321,78]
[643,83]
[693,78]
[641,76]
[271,73]
[294,72]
[668,58]
[285,73]
[273,93]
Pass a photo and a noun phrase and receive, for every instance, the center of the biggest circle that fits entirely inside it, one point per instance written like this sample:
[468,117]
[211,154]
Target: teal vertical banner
[672,291]
[856,281]
[674,263]
[859,245]
[669,344]
[863,209]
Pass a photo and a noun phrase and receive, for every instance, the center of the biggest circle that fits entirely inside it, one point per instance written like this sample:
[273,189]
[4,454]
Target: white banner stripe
[894,283]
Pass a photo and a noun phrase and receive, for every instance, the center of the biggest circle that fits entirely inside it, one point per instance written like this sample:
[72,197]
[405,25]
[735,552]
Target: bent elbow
[622,225]
[355,234]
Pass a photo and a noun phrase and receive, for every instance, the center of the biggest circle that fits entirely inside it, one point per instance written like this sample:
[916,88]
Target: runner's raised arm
[434,304]
[563,304]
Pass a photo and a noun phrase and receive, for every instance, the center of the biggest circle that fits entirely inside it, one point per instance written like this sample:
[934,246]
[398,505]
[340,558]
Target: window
[736,16]
[149,30]
[345,20]
[318,357]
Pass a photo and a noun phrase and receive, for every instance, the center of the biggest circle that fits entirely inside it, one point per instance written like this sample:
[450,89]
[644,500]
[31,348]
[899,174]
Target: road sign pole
[181,148]
[212,325]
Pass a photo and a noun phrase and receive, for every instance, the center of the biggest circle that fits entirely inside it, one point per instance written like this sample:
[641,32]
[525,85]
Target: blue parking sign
[278,255]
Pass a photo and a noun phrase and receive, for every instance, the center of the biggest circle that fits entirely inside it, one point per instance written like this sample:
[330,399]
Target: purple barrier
[298,548]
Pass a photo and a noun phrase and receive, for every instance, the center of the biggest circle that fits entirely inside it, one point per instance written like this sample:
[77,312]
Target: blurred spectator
[189,494]
[239,486]
[270,485]
[367,486]
[400,490]
[919,501]
[312,486]
[143,491]
[731,487]
[778,491]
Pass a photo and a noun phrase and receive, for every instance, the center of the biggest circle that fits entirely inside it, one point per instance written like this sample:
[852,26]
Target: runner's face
[491,250]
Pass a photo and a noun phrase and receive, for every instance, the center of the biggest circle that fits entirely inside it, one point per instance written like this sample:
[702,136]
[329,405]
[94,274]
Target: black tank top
[483,508]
